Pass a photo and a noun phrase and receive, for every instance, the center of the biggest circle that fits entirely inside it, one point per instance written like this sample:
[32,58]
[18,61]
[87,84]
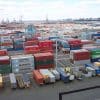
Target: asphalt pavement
[51,91]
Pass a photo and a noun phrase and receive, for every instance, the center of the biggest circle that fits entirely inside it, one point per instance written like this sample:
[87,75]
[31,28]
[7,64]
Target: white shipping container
[6,47]
[22,62]
[47,72]
[5,39]
[56,74]
[90,69]
[4,58]
[13,80]
[80,62]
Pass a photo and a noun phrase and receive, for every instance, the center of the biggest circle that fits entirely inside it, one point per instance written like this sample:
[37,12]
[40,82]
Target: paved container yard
[51,91]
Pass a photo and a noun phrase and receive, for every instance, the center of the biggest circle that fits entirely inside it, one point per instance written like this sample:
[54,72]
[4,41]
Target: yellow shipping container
[97,64]
[1,81]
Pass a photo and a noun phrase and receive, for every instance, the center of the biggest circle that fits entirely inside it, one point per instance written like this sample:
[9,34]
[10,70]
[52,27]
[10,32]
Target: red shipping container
[38,77]
[74,45]
[44,51]
[81,56]
[45,66]
[3,52]
[41,56]
[32,49]
[74,41]
[87,42]
[31,43]
[4,60]
[6,44]
[31,52]
[32,38]
[35,47]
[46,43]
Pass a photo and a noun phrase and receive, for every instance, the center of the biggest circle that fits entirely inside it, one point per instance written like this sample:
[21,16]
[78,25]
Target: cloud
[56,9]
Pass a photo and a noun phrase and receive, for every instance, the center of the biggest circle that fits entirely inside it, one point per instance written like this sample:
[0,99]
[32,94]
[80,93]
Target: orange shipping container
[38,77]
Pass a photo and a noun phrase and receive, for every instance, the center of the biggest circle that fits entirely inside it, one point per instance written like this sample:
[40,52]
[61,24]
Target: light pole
[56,51]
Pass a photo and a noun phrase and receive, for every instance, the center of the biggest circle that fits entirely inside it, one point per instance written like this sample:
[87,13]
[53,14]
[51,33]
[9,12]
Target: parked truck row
[47,76]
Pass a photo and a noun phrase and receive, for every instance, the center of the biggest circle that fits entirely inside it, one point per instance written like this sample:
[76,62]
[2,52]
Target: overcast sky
[54,9]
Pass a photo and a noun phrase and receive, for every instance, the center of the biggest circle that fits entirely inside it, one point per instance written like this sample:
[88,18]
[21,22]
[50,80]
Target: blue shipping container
[64,77]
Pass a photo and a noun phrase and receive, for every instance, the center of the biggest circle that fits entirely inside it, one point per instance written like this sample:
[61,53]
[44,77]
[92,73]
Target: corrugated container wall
[22,63]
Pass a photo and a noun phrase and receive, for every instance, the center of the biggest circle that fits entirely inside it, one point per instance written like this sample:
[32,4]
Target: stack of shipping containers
[18,43]
[22,63]
[46,46]
[6,42]
[44,60]
[81,56]
[31,49]
[75,44]
[95,55]
[4,62]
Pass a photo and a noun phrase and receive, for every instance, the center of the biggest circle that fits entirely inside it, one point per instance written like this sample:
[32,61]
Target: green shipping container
[5,69]
[95,56]
[95,52]
[44,62]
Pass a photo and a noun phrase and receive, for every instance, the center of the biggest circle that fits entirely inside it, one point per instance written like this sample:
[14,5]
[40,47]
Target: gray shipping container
[13,80]
[26,80]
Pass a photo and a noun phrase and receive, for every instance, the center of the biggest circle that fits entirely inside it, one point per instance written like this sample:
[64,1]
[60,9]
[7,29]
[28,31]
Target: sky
[53,9]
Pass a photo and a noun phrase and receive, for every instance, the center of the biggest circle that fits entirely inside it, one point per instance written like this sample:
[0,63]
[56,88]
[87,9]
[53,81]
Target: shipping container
[22,63]
[4,60]
[13,81]
[85,42]
[80,62]
[95,51]
[46,72]
[64,77]
[31,49]
[31,43]
[95,60]
[97,71]
[38,77]
[92,70]
[97,64]
[3,52]
[1,81]
[26,80]
[20,81]
[46,44]
[74,41]
[44,60]
[81,54]
[56,74]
